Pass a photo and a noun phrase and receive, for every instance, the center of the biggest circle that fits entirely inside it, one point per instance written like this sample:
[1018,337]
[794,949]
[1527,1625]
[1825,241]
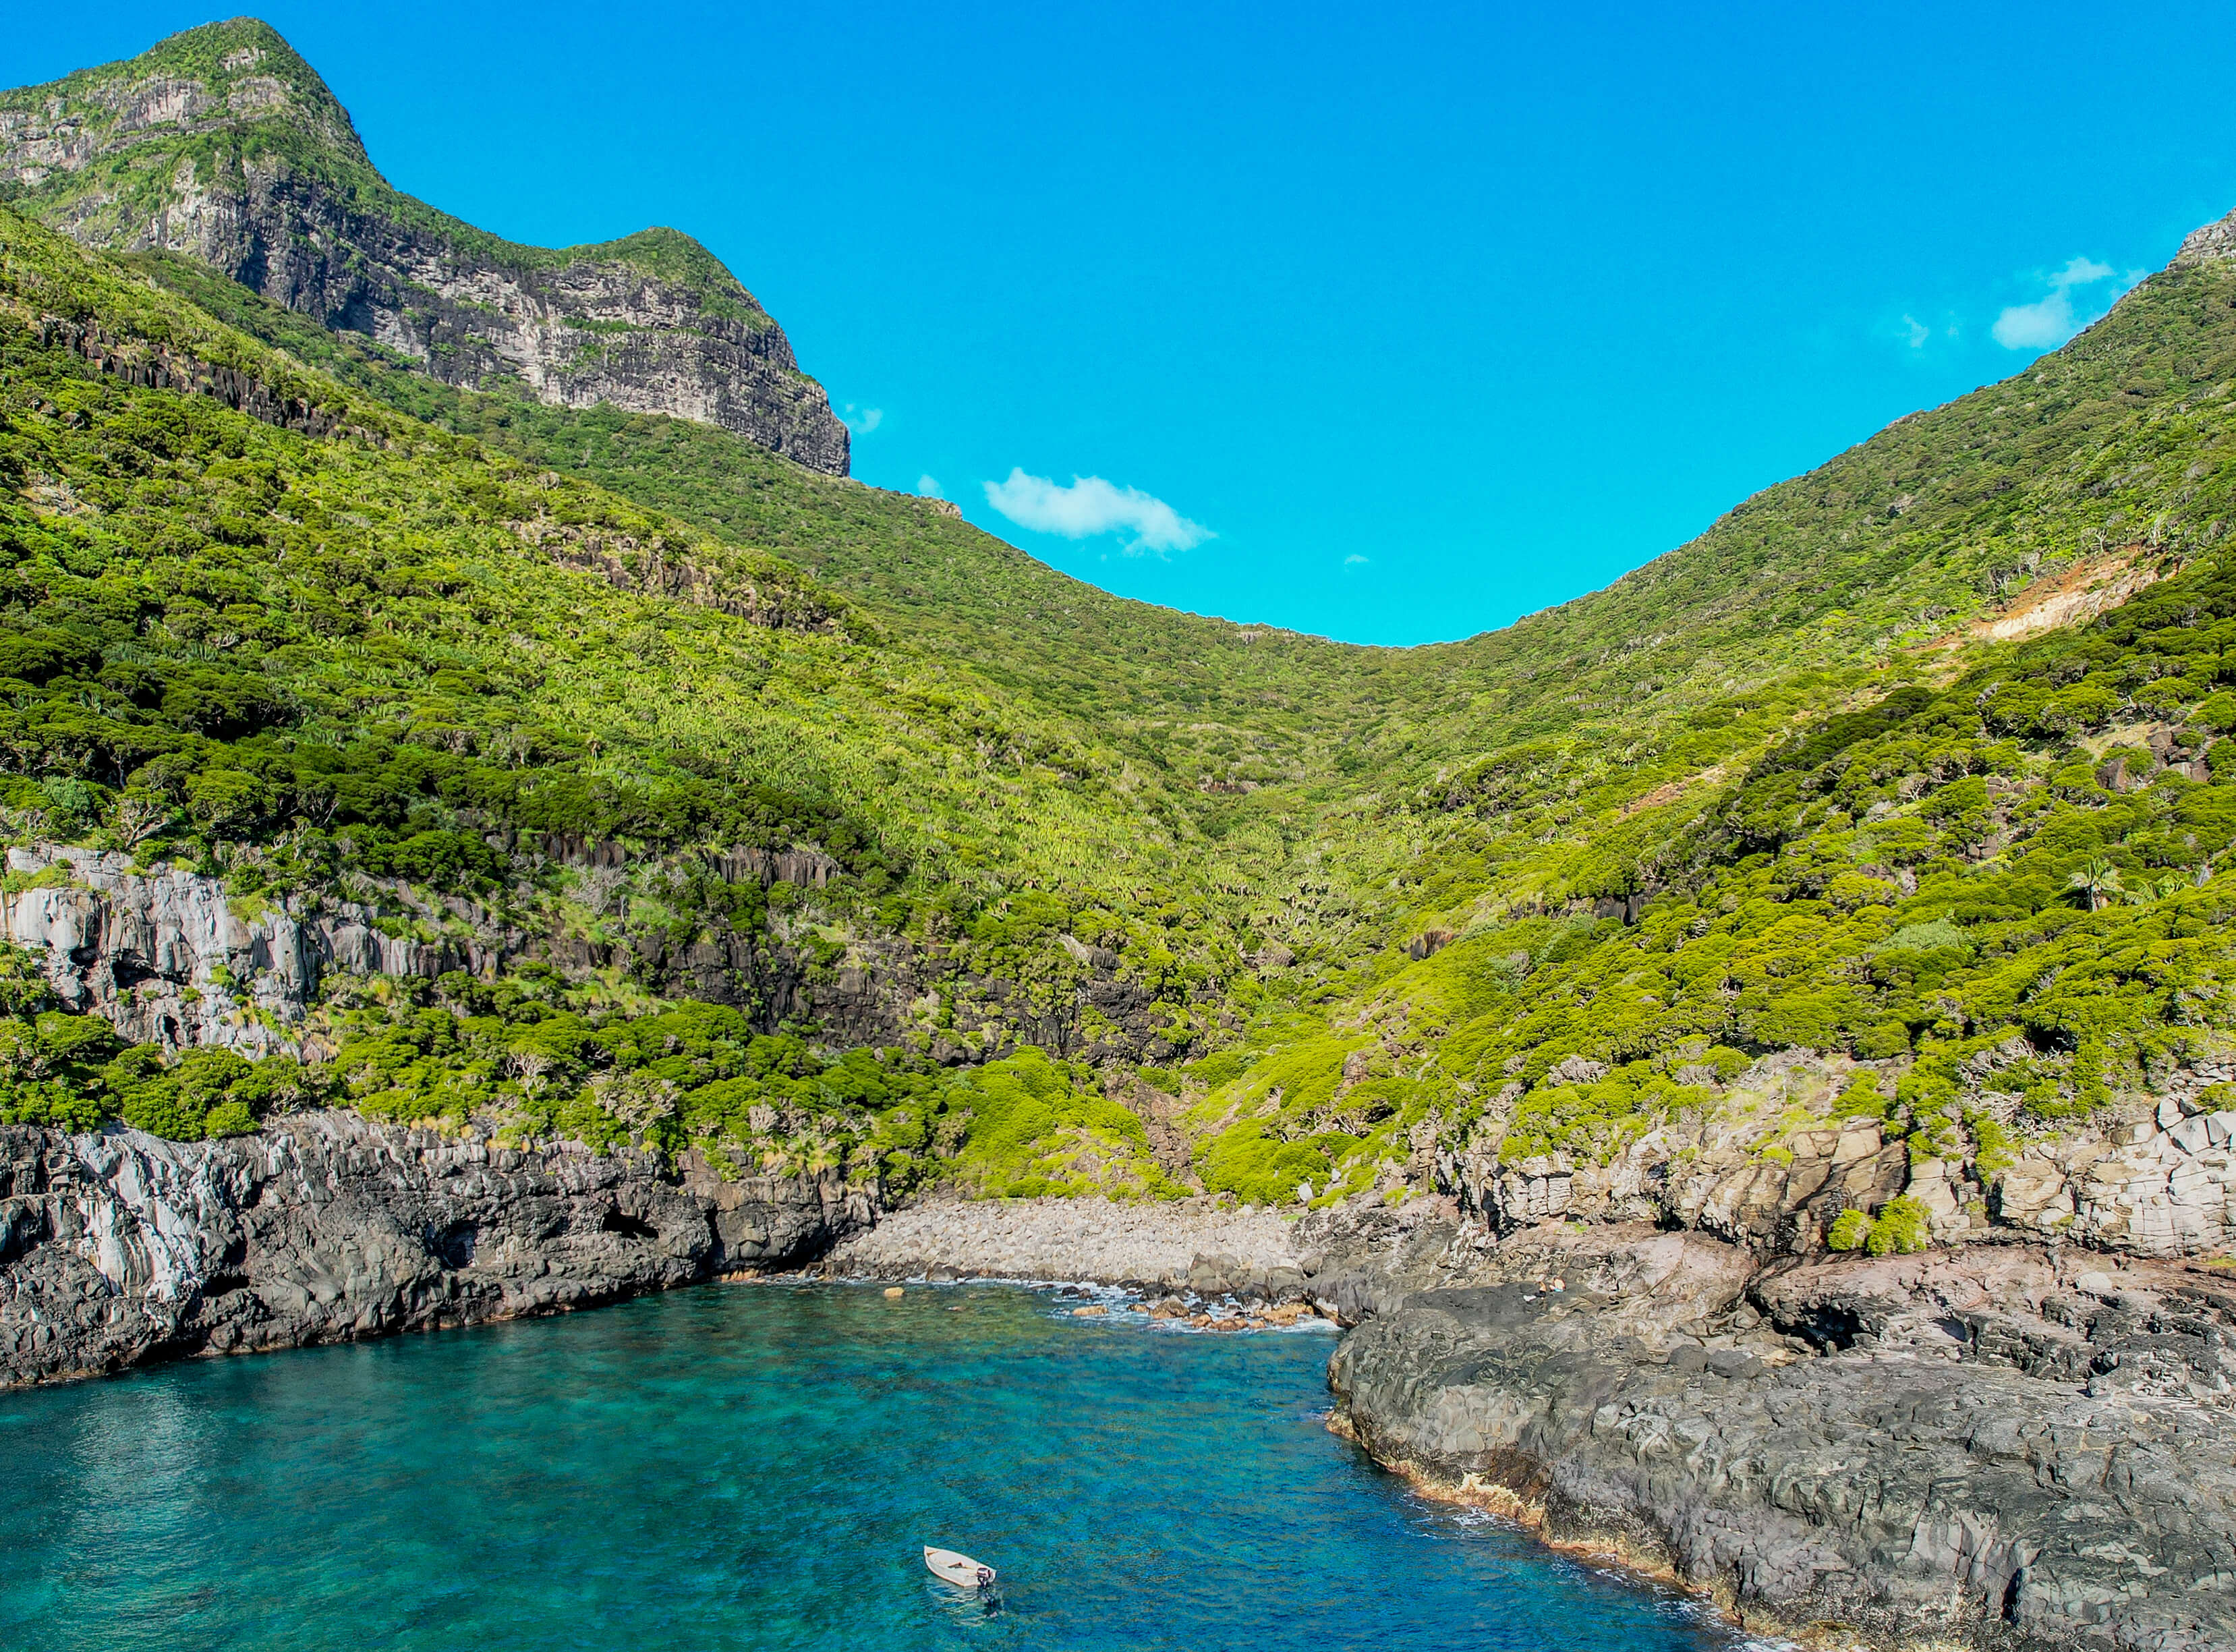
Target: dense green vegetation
[1776,790]
[1194,699]
[330,665]
[2030,864]
[1474,773]
[514,1054]
[518,1056]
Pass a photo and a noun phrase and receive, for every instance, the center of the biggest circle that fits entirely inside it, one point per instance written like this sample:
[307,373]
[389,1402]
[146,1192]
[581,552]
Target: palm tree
[2099,881]
[2151,890]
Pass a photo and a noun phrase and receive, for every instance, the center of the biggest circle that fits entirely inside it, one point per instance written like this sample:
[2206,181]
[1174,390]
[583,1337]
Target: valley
[461,717]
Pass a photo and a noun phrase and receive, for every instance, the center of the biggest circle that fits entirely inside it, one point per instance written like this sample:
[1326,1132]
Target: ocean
[760,1466]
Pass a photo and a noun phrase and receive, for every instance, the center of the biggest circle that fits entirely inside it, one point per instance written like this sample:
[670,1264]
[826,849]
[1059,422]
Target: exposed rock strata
[1999,1448]
[2157,1177]
[163,955]
[153,365]
[118,1249]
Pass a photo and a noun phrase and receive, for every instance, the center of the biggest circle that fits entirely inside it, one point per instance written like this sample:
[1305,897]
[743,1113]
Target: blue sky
[1387,323]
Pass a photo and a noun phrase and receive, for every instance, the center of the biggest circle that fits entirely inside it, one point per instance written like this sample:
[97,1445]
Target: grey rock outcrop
[162,953]
[164,957]
[2002,1447]
[222,145]
[120,1248]
[2208,243]
[2155,1176]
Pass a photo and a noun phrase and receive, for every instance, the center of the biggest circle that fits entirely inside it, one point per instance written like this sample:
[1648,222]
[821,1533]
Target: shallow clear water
[758,1466]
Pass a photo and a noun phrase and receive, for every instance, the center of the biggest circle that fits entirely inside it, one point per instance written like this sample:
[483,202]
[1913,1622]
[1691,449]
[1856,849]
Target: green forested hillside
[2030,864]
[276,629]
[1902,841]
[1200,699]
[364,655]
[364,634]
[1822,589]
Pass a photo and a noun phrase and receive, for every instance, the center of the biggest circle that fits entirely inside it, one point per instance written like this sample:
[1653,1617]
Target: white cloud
[1090,506]
[2050,320]
[863,422]
[1919,332]
[927,486]
[1356,561]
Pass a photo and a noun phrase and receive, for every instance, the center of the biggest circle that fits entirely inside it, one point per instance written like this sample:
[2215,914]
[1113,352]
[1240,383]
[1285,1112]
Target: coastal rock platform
[2003,1446]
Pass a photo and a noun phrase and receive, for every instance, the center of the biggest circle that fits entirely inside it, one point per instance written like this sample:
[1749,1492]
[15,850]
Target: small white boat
[958,1569]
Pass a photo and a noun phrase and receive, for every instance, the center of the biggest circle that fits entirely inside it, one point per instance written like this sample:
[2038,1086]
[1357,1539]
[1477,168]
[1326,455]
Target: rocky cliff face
[120,1248]
[2019,1438]
[2004,1446]
[165,956]
[222,145]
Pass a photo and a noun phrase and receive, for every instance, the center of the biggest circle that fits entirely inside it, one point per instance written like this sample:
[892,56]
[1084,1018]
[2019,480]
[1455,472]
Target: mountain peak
[2209,243]
[221,144]
[221,76]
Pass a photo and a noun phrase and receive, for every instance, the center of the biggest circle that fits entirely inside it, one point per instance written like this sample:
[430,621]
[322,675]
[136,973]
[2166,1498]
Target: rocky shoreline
[118,1249]
[1998,1447]
[2003,1445]
[2007,1445]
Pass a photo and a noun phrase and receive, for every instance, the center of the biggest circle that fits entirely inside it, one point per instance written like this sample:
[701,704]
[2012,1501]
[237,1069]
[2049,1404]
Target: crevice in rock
[617,1220]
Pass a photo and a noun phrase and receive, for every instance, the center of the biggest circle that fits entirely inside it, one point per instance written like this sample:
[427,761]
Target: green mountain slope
[336,652]
[1999,867]
[1893,764]
[2015,891]
[1207,700]
[1701,655]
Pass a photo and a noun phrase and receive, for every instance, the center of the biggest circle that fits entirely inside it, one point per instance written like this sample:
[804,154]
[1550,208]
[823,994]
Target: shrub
[1861,1099]
[2216,713]
[1851,1230]
[1934,935]
[1888,1038]
[1221,1069]
[1258,1169]
[1901,1229]
[229,1118]
[155,1107]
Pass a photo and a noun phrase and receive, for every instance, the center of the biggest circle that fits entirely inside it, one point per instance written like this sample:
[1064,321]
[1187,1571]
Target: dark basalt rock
[120,1248]
[1998,1448]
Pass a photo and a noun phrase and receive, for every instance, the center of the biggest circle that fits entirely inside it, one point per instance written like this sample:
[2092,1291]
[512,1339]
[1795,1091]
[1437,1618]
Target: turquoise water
[758,1466]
